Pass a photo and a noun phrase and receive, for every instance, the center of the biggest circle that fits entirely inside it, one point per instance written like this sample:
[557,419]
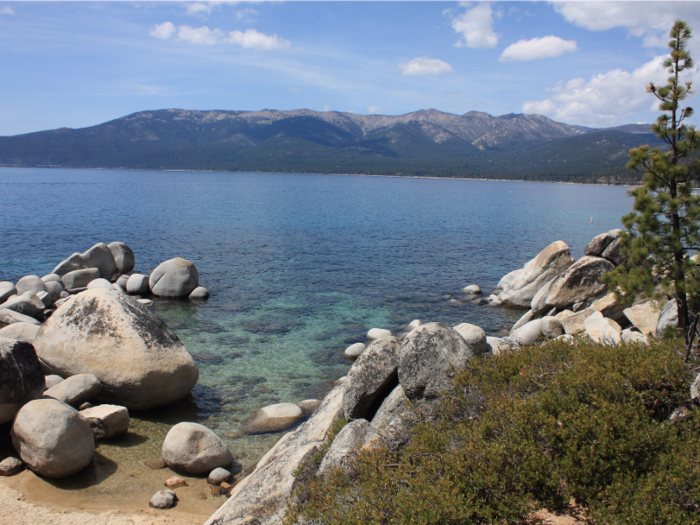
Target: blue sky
[77,64]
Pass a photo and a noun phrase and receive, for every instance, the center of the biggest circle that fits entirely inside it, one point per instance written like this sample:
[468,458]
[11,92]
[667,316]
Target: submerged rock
[163,499]
[273,418]
[140,362]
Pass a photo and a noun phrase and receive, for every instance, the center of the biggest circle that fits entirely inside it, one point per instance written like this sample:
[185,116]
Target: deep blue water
[299,266]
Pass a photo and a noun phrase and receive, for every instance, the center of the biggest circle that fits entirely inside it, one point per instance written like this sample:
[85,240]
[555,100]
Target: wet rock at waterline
[371,378]
[427,359]
[123,256]
[268,488]
[309,406]
[137,284]
[199,293]
[273,418]
[472,289]
[174,278]
[354,351]
[107,421]
[191,448]
[376,333]
[52,438]
[21,378]
[140,362]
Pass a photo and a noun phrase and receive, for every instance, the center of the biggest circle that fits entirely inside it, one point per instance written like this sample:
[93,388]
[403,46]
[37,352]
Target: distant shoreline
[318,173]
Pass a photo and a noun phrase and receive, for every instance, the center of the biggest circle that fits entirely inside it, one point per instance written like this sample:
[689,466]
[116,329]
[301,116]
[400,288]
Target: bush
[540,427]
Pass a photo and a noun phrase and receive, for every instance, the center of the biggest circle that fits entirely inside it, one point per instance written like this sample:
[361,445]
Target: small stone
[354,351]
[200,293]
[145,302]
[154,464]
[215,490]
[472,289]
[100,283]
[52,380]
[175,482]
[376,333]
[107,421]
[76,389]
[85,406]
[51,278]
[163,499]
[218,476]
[10,466]
[413,325]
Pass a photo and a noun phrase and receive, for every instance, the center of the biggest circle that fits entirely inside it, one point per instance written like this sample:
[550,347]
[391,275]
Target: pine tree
[662,231]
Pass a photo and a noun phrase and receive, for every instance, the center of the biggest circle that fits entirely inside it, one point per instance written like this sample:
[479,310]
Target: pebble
[175,482]
[10,466]
[218,476]
[155,464]
[163,499]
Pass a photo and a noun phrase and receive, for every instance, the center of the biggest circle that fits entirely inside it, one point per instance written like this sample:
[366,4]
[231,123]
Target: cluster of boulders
[100,354]
[26,304]
[566,297]
[388,373]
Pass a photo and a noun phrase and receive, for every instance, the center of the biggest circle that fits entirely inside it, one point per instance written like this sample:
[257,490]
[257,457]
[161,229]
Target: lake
[298,266]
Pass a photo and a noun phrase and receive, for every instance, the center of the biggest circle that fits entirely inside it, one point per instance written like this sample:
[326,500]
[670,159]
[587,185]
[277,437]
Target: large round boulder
[52,438]
[140,362]
[427,359]
[124,256]
[191,448]
[21,378]
[30,283]
[174,278]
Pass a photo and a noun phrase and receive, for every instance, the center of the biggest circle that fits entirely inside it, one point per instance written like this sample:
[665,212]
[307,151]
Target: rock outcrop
[140,362]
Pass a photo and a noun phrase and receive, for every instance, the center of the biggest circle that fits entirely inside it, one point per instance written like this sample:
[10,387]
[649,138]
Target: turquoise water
[299,266]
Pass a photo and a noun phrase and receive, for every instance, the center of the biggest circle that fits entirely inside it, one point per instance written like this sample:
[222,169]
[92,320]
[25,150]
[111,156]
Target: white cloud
[163,31]
[476,25]
[246,15]
[374,110]
[425,66]
[251,39]
[195,8]
[6,10]
[537,48]
[651,20]
[199,35]
[607,99]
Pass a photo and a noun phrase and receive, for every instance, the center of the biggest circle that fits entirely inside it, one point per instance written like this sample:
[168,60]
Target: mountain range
[422,143]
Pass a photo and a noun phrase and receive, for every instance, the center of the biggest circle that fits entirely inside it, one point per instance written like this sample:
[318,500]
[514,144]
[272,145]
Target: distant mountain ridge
[425,142]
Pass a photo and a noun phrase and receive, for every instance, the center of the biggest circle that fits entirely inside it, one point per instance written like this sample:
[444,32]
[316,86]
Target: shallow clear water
[298,266]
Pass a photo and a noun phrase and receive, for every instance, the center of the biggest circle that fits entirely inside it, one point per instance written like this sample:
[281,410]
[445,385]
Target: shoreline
[333,174]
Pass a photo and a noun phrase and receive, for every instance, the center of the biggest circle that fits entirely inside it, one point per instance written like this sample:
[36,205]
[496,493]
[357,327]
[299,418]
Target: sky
[77,64]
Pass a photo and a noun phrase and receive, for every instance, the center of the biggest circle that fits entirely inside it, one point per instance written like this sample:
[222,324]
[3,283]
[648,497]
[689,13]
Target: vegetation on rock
[543,426]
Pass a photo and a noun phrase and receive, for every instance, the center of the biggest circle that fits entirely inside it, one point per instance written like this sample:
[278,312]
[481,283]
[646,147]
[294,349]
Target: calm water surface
[298,266]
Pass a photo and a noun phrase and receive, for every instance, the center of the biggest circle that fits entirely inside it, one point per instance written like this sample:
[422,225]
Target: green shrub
[535,428]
